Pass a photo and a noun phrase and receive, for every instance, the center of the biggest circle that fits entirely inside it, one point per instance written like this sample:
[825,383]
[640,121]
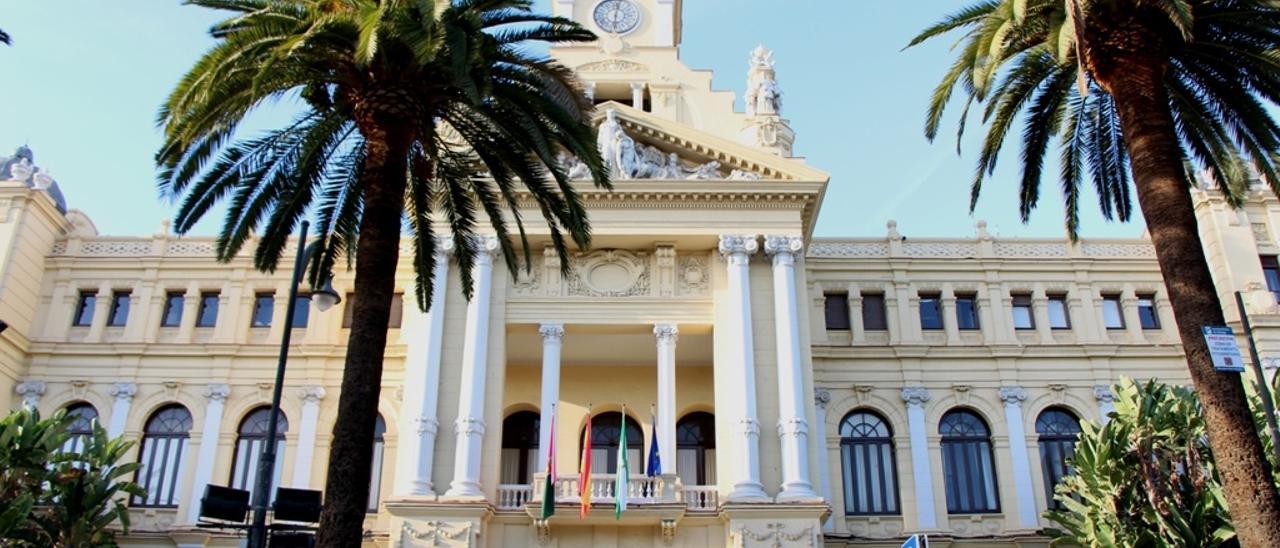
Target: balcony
[642,491]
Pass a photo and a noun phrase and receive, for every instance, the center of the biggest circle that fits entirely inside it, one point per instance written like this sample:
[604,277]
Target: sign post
[1223,349]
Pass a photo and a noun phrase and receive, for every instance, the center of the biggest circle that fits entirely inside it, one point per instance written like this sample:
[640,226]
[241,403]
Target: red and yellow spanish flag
[584,472]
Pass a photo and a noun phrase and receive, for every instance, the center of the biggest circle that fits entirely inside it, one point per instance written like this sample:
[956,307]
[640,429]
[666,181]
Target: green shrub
[57,498]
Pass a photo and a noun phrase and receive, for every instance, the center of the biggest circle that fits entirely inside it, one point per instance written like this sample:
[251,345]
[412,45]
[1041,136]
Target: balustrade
[513,497]
[700,498]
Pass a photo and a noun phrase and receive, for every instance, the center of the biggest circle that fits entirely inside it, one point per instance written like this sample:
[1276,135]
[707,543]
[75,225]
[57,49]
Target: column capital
[793,427]
[915,395]
[1012,395]
[782,244]
[821,397]
[123,391]
[666,332]
[217,392]
[551,331]
[30,391]
[444,246]
[311,394]
[468,425]
[637,86]
[1103,393]
[738,244]
[485,247]
[427,425]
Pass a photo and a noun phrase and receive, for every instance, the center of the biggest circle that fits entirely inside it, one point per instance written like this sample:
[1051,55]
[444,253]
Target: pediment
[639,145]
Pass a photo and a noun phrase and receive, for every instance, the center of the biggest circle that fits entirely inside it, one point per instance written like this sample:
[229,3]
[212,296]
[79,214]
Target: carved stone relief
[609,273]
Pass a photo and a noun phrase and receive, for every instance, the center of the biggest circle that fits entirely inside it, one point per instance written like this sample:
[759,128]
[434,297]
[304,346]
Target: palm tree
[1148,91]
[1143,91]
[415,112]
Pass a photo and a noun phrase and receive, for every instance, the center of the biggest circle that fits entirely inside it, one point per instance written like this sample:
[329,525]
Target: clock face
[617,16]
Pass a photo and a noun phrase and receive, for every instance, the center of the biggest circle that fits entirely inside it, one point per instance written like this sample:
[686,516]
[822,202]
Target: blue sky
[84,78]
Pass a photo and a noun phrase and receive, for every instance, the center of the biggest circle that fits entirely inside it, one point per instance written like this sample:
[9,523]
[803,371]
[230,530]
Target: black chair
[224,504]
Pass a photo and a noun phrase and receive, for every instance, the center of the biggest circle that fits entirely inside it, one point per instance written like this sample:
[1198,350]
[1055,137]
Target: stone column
[857,331]
[1106,401]
[637,95]
[123,393]
[1013,396]
[475,353]
[190,309]
[1040,310]
[921,470]
[209,433]
[950,322]
[30,392]
[793,428]
[822,397]
[101,309]
[737,251]
[311,396]
[415,455]
[1132,322]
[666,335]
[552,339]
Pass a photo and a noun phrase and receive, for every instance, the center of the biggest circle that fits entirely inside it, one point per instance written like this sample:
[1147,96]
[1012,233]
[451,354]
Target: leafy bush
[57,498]
[1146,477]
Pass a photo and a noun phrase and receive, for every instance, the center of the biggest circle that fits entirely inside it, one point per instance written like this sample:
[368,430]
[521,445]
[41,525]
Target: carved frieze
[609,273]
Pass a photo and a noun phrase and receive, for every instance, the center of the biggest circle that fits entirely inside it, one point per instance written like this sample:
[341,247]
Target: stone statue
[709,170]
[672,169]
[609,139]
[743,175]
[763,94]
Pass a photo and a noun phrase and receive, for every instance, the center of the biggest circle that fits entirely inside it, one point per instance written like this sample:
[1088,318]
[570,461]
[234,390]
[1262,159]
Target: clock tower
[627,23]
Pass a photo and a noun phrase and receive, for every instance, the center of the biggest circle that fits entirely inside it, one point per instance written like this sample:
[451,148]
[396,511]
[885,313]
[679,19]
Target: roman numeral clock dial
[616,16]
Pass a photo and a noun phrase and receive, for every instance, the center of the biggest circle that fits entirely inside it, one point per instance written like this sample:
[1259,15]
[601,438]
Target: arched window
[696,449]
[164,443]
[80,430]
[250,440]
[606,432]
[870,472]
[375,472]
[1058,429]
[967,464]
[520,447]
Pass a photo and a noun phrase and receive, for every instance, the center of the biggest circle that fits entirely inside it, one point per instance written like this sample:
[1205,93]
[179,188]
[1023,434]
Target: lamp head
[326,297]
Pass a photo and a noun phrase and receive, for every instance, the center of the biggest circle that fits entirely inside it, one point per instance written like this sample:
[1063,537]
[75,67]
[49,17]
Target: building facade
[801,390]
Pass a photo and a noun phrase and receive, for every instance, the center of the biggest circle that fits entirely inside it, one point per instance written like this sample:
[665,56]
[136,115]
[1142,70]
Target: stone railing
[989,248]
[513,497]
[700,498]
[640,489]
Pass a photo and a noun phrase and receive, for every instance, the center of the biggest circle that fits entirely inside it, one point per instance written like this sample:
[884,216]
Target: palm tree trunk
[377,252]
[1135,81]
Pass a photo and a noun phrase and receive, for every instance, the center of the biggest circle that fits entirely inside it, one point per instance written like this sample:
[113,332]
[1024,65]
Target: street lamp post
[324,298]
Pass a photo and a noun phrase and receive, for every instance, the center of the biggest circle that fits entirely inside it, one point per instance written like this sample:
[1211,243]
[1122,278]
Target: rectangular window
[263,303]
[393,322]
[837,311]
[119,309]
[1059,318]
[208,316]
[301,310]
[1147,312]
[1112,317]
[873,315]
[930,311]
[84,309]
[1022,316]
[967,311]
[1271,272]
[172,309]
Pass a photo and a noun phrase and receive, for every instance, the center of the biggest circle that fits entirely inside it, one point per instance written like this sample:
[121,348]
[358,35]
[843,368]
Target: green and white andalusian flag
[549,484]
[620,483]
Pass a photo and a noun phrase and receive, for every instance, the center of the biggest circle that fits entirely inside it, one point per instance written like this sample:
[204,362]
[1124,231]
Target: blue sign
[916,541]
